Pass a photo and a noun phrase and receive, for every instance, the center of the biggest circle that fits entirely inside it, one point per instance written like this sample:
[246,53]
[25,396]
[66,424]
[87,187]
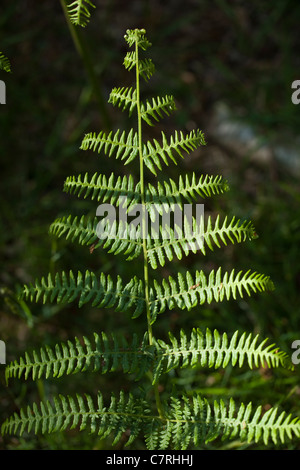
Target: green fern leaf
[107,354]
[159,107]
[124,146]
[145,66]
[195,421]
[180,421]
[84,231]
[137,36]
[154,152]
[4,63]
[68,413]
[173,242]
[101,291]
[104,354]
[79,12]
[186,421]
[124,97]
[187,189]
[215,350]
[187,292]
[101,187]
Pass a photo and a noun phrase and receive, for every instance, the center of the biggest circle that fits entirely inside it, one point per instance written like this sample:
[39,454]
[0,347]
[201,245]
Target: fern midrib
[145,254]
[142,186]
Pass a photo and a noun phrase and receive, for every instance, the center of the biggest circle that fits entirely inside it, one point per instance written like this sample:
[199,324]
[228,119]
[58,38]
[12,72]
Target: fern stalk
[84,54]
[145,253]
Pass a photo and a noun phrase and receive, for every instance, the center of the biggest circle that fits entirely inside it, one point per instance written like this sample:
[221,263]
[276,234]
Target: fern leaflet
[124,146]
[124,97]
[104,354]
[4,63]
[79,12]
[154,152]
[84,231]
[215,350]
[110,353]
[174,242]
[187,292]
[159,107]
[186,421]
[101,291]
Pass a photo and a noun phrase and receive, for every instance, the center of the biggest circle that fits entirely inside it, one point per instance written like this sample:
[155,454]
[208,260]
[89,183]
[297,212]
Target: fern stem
[84,53]
[142,188]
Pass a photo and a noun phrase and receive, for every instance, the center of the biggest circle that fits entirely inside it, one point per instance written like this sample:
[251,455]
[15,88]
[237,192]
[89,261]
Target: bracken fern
[184,420]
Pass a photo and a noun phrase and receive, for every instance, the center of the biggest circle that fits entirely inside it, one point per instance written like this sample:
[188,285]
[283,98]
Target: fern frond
[101,187]
[159,107]
[187,189]
[63,413]
[197,238]
[123,97]
[100,290]
[165,196]
[145,66]
[124,146]
[4,63]
[103,354]
[133,36]
[188,291]
[233,231]
[154,152]
[186,421]
[195,421]
[215,350]
[79,12]
[84,231]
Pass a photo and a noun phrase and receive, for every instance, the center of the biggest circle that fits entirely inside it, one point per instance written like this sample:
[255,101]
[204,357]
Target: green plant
[79,12]
[163,416]
[77,15]
[4,63]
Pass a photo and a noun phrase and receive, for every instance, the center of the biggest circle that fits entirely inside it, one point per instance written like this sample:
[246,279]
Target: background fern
[79,12]
[177,422]
[4,63]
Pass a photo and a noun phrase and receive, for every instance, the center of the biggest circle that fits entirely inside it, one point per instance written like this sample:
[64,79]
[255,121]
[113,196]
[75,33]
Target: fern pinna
[4,63]
[184,420]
